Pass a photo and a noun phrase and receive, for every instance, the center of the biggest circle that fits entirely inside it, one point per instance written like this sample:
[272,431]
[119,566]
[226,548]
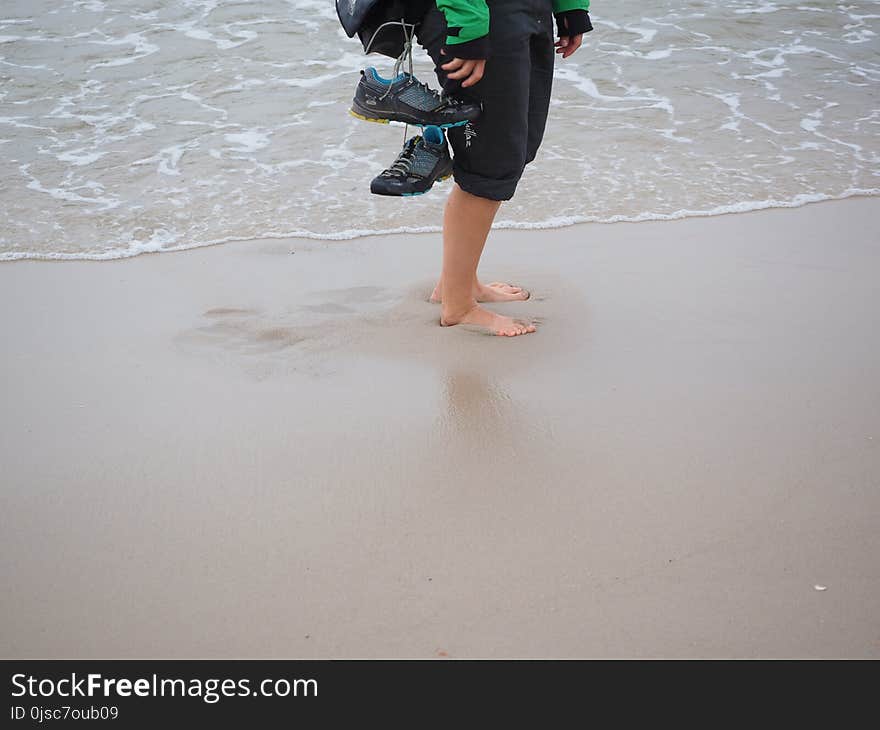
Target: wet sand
[271,450]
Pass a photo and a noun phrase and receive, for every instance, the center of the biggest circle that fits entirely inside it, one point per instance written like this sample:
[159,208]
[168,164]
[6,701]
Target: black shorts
[492,151]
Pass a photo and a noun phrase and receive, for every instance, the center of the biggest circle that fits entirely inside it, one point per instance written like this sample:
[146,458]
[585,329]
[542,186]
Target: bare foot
[494,323]
[494,292]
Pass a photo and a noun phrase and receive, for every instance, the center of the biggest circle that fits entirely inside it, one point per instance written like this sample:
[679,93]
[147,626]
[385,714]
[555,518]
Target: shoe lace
[436,95]
[403,164]
[409,32]
[439,96]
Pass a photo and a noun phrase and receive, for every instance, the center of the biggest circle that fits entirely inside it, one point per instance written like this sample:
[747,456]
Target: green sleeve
[563,6]
[467,23]
[467,20]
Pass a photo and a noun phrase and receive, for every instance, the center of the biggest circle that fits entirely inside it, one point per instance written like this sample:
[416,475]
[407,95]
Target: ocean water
[129,126]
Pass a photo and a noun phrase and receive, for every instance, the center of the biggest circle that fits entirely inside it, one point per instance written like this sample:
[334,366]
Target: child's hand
[567,45]
[469,69]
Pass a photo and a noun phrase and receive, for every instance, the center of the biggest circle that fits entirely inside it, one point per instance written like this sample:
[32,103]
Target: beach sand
[271,449]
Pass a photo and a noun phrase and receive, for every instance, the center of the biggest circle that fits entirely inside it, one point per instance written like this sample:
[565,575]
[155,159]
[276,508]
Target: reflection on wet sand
[482,424]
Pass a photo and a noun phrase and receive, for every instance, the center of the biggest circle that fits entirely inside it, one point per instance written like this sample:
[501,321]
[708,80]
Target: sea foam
[132,127]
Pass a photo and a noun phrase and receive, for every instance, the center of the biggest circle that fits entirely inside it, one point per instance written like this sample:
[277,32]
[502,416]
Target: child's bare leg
[466,223]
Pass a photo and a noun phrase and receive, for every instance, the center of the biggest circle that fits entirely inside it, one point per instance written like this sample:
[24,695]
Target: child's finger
[463,72]
[454,64]
[572,46]
[475,76]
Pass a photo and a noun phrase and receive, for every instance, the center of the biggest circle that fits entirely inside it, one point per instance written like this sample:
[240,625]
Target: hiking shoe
[406,99]
[423,161]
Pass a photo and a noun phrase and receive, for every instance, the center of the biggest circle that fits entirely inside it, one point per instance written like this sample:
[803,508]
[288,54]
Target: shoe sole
[382,120]
[413,195]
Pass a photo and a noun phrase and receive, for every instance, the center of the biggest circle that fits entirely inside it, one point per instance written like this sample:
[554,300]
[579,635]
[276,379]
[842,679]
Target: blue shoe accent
[433,134]
[381,79]
[441,126]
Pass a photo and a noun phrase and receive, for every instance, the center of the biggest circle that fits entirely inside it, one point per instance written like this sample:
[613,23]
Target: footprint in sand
[306,335]
[242,330]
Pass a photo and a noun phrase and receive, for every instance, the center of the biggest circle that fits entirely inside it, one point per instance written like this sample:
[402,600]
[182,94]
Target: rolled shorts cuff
[485,187]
